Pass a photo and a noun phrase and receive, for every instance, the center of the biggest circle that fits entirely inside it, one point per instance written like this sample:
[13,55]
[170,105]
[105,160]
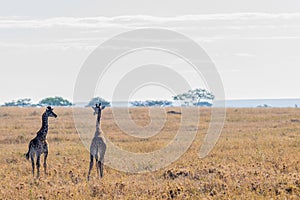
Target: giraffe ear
[102,107]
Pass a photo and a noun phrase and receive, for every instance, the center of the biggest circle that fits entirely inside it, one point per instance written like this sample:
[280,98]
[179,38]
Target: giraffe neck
[44,129]
[98,126]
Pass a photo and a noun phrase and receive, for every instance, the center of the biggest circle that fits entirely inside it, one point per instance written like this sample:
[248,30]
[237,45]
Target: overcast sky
[255,45]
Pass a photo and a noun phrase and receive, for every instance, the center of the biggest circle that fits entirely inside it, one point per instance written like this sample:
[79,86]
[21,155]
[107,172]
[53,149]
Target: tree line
[49,101]
[196,97]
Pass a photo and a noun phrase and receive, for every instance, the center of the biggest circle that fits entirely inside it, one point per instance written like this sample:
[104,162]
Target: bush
[148,103]
[21,102]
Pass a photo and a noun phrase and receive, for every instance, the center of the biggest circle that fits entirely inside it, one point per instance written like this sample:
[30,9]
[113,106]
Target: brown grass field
[256,157]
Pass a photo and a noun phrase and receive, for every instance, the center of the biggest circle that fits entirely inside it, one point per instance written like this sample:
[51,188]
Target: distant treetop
[159,103]
[195,97]
[97,100]
[55,101]
[21,102]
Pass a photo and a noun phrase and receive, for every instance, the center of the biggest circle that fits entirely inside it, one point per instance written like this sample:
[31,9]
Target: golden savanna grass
[256,157]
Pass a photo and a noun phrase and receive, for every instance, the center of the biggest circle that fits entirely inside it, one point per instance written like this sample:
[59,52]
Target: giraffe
[38,145]
[98,144]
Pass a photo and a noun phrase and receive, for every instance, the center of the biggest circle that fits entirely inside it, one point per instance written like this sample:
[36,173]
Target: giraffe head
[98,109]
[49,112]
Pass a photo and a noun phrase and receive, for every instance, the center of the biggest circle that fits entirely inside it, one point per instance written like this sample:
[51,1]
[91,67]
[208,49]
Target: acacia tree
[97,100]
[194,97]
[55,101]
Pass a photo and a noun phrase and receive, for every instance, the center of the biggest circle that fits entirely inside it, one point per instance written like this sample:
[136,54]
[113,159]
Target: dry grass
[256,157]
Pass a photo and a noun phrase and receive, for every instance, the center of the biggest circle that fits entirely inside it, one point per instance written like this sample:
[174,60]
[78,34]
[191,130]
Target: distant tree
[95,100]
[149,103]
[21,102]
[55,101]
[204,104]
[194,97]
[264,106]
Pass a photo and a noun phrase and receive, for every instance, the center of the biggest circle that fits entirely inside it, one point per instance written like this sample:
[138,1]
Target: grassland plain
[256,157]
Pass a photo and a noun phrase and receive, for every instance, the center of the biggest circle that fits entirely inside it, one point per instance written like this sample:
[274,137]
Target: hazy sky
[255,45]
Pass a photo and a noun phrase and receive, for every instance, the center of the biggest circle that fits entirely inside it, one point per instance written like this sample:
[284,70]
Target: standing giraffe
[98,145]
[38,145]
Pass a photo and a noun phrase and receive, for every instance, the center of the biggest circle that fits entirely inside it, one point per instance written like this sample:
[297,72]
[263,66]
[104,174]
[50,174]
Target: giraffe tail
[27,154]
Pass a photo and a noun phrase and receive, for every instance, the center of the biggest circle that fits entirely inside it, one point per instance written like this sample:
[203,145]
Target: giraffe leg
[91,165]
[101,168]
[45,157]
[32,163]
[38,164]
[45,162]
[101,162]
[97,165]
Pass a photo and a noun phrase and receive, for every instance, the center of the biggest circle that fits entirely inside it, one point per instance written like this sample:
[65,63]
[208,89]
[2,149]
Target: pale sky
[255,45]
